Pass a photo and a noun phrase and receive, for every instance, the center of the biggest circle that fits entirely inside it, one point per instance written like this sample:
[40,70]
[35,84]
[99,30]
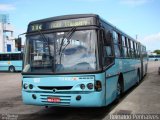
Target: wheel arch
[12,66]
[121,80]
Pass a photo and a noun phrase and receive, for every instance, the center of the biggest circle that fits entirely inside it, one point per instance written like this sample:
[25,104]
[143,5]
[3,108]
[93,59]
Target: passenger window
[125,52]
[126,42]
[117,51]
[119,39]
[107,48]
[115,37]
[129,44]
[108,51]
[108,55]
[6,57]
[123,41]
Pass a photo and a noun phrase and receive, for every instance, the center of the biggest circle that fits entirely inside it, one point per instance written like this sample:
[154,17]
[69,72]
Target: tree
[157,51]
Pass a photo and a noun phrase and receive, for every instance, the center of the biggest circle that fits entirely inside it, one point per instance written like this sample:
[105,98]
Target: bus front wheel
[11,69]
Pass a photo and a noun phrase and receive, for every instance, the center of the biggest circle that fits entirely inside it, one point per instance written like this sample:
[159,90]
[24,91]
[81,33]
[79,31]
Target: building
[7,42]
[151,53]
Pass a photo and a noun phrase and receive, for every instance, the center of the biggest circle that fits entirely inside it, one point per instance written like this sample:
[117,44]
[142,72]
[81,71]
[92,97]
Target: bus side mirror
[18,43]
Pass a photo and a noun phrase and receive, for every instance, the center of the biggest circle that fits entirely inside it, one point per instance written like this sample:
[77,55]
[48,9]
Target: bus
[79,61]
[11,61]
[154,57]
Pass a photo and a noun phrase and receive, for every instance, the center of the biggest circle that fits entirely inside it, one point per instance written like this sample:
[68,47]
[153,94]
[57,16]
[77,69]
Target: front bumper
[88,99]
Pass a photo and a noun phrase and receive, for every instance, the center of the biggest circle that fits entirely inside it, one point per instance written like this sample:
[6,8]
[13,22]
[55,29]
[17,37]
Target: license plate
[54,100]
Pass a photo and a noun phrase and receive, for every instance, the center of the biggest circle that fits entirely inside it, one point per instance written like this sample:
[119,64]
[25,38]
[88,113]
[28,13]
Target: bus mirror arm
[21,34]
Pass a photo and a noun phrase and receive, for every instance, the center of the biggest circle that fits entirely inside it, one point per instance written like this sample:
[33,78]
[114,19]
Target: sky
[134,17]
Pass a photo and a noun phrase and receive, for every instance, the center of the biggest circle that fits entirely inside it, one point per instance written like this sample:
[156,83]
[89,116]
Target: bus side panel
[131,77]
[128,68]
[17,64]
[112,75]
[3,68]
[4,65]
[111,89]
[101,77]
[127,77]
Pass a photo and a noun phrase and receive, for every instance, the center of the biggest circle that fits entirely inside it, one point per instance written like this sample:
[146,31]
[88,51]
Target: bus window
[119,39]
[134,50]
[108,52]
[15,56]
[115,37]
[137,50]
[124,51]
[131,42]
[117,44]
[126,41]
[127,46]
[123,41]
[117,51]
[123,47]
[5,57]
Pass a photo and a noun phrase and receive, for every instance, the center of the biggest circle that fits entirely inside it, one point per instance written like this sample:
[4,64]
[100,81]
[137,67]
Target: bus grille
[64,100]
[55,87]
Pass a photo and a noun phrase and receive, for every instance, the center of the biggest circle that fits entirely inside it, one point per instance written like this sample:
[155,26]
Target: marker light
[34,96]
[90,86]
[30,86]
[82,86]
[25,86]
[78,98]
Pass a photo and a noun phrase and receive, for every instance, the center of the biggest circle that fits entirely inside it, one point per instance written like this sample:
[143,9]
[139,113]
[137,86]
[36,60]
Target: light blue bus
[154,57]
[11,61]
[79,61]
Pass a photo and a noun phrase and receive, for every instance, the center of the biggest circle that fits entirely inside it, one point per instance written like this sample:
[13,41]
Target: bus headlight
[30,86]
[82,86]
[25,86]
[90,86]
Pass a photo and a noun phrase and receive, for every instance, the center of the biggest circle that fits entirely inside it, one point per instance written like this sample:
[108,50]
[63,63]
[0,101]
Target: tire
[11,69]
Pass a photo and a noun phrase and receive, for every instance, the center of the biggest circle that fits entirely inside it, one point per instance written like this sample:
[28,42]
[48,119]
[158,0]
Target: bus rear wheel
[11,69]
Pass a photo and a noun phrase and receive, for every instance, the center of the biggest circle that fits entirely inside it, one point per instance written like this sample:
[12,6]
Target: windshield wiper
[47,41]
[68,37]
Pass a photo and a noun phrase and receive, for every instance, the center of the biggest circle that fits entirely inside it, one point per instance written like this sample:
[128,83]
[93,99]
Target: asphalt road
[141,99]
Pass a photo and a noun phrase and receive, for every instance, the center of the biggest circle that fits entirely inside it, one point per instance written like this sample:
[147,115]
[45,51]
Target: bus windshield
[56,53]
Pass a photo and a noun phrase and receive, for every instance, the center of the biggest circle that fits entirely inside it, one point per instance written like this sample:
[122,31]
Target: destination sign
[61,24]
[36,27]
[70,23]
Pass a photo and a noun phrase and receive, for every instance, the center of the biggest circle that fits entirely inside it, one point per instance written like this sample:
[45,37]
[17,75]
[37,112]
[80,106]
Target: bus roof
[74,16]
[63,17]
